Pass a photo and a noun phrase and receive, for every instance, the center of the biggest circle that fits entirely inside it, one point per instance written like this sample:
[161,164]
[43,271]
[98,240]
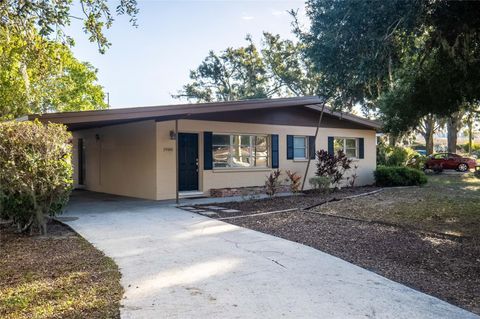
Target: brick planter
[244,191]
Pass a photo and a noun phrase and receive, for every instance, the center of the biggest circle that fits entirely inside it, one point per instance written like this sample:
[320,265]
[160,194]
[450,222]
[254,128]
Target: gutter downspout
[316,134]
[176,162]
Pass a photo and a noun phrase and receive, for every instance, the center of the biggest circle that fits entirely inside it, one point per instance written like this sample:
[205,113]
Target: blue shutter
[330,145]
[207,151]
[311,147]
[361,148]
[289,147]
[274,151]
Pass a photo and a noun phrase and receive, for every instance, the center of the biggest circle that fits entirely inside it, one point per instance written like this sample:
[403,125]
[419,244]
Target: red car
[450,161]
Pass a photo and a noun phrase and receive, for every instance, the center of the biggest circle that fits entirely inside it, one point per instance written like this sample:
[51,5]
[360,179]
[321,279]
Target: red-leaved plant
[272,183]
[333,166]
[294,180]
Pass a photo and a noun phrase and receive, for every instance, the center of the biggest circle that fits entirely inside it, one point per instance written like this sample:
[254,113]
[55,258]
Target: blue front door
[188,161]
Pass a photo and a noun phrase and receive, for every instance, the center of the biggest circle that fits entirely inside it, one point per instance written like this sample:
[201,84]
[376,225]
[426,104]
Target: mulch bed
[304,200]
[447,269]
[59,275]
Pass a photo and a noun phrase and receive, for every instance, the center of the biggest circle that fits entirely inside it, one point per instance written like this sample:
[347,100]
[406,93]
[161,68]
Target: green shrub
[381,153]
[394,155]
[320,183]
[397,156]
[36,172]
[476,173]
[399,176]
[465,147]
[417,162]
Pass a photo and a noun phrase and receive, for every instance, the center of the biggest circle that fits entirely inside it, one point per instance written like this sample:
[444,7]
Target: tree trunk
[392,140]
[429,143]
[42,224]
[429,130]
[39,216]
[453,124]
[470,133]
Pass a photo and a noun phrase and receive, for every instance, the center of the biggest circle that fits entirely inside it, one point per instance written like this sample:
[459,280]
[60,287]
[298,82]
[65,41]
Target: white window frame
[252,157]
[345,145]
[305,155]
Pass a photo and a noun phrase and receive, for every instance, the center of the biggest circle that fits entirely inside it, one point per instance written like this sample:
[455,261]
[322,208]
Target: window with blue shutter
[330,145]
[275,163]
[311,147]
[290,147]
[361,147]
[207,151]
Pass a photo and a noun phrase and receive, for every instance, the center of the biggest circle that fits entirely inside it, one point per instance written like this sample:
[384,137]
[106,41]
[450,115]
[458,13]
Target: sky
[147,64]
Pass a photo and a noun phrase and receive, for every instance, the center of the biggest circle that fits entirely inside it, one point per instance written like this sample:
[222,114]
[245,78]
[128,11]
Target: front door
[188,161]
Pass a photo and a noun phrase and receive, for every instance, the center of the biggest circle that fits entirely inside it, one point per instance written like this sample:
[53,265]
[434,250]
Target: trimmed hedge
[35,172]
[399,176]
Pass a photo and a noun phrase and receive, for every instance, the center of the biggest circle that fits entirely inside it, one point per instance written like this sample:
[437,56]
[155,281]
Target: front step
[190,194]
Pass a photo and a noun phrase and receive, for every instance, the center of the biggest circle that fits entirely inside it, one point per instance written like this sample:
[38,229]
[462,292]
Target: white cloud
[278,13]
[247,18]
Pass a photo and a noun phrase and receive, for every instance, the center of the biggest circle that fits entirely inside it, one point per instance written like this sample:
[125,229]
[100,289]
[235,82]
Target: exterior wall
[122,161]
[166,174]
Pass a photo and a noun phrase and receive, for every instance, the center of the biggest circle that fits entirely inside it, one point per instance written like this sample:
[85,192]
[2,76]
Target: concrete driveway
[177,264]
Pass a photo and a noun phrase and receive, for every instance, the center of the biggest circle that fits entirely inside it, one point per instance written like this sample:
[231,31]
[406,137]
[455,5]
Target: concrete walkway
[177,264]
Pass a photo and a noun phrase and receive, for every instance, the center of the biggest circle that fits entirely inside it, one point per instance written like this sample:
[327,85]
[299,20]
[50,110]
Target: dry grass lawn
[59,275]
[448,204]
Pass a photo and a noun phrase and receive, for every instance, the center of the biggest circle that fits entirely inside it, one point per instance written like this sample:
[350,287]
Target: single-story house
[151,152]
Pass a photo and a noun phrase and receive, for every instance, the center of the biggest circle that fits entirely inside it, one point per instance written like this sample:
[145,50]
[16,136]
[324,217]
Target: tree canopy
[235,73]
[38,72]
[278,68]
[409,58]
[39,75]
[51,17]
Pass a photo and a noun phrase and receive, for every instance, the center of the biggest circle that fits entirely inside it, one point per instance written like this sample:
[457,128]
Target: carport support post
[176,162]
[316,134]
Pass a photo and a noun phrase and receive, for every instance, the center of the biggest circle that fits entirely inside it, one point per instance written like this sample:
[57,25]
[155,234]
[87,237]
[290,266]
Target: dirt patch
[444,268]
[60,275]
[285,202]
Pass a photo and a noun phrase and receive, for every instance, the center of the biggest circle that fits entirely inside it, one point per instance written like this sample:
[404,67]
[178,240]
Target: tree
[471,120]
[231,75]
[36,174]
[279,68]
[38,76]
[454,123]
[427,127]
[408,58]
[356,45]
[50,18]
[289,67]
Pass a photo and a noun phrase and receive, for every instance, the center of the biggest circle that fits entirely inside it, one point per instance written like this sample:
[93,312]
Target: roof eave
[169,110]
[377,125]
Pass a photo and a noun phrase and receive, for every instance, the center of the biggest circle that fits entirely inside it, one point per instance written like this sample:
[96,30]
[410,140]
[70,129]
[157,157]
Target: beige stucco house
[137,152]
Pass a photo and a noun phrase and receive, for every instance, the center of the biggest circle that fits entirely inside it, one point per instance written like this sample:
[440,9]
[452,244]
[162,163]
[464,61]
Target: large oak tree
[410,58]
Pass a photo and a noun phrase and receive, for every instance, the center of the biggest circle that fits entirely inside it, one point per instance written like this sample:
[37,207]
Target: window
[300,147]
[346,145]
[240,151]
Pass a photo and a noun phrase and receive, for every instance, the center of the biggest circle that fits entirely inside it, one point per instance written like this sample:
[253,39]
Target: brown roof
[88,119]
